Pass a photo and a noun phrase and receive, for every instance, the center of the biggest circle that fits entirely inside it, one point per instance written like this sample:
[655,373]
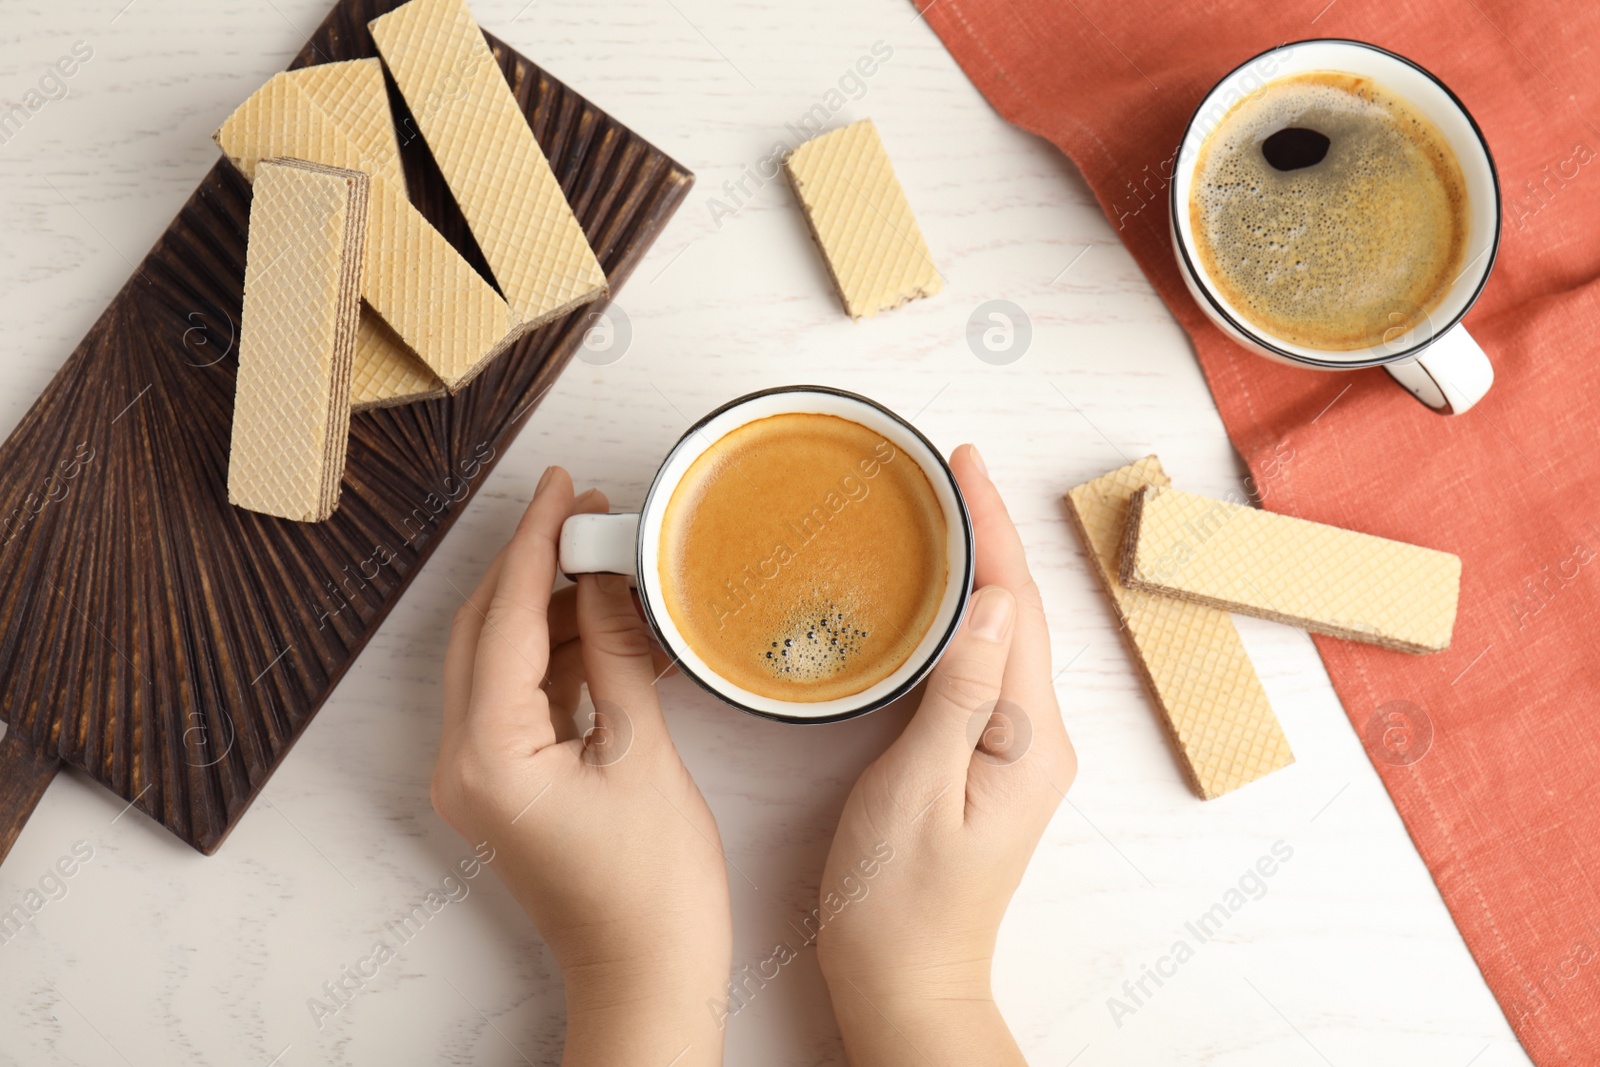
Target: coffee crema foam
[1345,253]
[803,557]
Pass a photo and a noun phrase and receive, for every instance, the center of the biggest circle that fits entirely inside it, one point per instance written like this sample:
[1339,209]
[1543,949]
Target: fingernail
[977,461]
[544,480]
[611,584]
[584,497]
[992,609]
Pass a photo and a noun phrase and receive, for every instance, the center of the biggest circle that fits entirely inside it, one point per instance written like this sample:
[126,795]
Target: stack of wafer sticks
[426,323]
[1175,564]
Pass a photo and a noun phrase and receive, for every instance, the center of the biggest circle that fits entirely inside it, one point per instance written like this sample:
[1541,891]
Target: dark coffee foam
[1343,253]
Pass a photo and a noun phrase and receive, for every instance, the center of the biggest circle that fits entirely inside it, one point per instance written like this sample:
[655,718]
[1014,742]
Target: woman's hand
[938,830]
[596,827]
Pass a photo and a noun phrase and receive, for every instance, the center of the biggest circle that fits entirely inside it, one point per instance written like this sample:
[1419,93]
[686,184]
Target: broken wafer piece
[1320,578]
[861,220]
[431,297]
[297,334]
[486,150]
[1190,655]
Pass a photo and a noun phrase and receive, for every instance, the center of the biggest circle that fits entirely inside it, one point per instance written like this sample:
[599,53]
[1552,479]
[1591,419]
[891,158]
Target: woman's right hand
[936,835]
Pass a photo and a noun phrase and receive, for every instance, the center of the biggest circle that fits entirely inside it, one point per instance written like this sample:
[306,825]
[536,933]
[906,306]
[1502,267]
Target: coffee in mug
[1304,192]
[803,557]
[1329,212]
[802,553]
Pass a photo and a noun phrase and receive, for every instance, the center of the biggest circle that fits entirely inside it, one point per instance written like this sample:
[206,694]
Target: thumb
[966,683]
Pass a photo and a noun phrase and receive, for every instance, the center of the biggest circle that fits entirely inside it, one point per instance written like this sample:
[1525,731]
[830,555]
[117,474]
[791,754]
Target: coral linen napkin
[1503,804]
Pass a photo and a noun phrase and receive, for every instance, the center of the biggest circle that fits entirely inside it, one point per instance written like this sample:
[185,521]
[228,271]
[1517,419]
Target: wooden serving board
[171,645]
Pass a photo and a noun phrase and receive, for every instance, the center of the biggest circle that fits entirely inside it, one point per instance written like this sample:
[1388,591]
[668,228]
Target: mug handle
[600,544]
[1450,375]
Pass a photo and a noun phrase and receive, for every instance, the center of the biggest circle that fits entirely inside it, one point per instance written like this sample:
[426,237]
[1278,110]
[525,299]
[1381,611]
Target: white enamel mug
[1436,360]
[630,544]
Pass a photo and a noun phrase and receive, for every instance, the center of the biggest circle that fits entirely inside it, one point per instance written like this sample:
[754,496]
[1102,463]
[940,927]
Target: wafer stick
[353,95]
[860,218]
[495,168]
[431,297]
[386,373]
[1190,656]
[291,417]
[1319,578]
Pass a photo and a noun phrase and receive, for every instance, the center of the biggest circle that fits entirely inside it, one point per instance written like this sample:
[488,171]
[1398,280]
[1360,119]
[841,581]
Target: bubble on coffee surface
[1332,252]
[819,642]
[1294,148]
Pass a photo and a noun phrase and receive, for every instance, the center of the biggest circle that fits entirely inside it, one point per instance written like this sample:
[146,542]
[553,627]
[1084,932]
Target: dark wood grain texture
[171,645]
[24,774]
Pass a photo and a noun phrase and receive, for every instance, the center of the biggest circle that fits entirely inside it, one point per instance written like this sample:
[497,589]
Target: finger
[665,664]
[1002,561]
[564,686]
[564,605]
[661,662]
[965,685]
[462,651]
[1028,713]
[466,669]
[616,653]
[514,634]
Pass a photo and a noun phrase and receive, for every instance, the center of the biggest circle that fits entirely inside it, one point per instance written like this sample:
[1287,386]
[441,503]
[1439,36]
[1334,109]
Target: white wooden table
[156,955]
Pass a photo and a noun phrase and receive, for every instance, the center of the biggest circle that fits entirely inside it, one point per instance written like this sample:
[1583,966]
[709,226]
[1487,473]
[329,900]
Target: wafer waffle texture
[355,97]
[386,372]
[1320,578]
[490,159]
[1190,656]
[352,92]
[415,280]
[861,220]
[297,334]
